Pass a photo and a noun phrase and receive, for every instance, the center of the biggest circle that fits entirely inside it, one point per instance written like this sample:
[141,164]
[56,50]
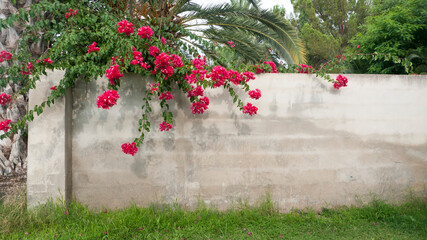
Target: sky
[264,3]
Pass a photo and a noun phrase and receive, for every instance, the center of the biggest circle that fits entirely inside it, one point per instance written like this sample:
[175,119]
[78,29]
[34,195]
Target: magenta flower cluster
[4,125]
[5,55]
[145,32]
[302,68]
[130,148]
[113,74]
[71,12]
[340,82]
[107,99]
[201,106]
[28,68]
[93,48]
[125,27]
[255,94]
[4,98]
[273,67]
[166,96]
[164,126]
[250,109]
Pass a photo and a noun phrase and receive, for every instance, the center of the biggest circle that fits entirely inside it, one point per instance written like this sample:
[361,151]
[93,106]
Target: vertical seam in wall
[68,144]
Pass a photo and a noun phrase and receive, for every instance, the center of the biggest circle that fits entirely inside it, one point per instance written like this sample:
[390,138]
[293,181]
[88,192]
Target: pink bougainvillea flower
[107,99]
[358,46]
[4,125]
[145,32]
[130,148]
[259,70]
[154,51]
[113,74]
[176,61]
[47,60]
[53,88]
[29,68]
[201,106]
[235,77]
[71,12]
[145,65]
[153,87]
[137,57]
[4,98]
[218,76]
[255,94]
[162,62]
[231,44]
[92,48]
[163,40]
[167,71]
[273,66]
[125,27]
[195,76]
[198,91]
[340,82]
[250,109]
[248,76]
[199,63]
[166,96]
[164,126]
[302,68]
[4,55]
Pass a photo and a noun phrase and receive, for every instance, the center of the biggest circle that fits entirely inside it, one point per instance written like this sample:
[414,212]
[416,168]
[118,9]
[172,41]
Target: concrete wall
[49,158]
[309,145]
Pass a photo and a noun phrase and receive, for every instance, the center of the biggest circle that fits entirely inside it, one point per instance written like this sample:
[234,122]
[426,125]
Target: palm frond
[246,47]
[263,24]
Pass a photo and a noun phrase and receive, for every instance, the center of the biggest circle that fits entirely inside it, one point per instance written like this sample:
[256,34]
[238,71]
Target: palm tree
[258,34]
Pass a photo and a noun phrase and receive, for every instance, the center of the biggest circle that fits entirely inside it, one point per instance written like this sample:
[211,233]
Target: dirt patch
[12,182]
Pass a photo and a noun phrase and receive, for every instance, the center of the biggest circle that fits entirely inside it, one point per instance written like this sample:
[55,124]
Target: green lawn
[376,220]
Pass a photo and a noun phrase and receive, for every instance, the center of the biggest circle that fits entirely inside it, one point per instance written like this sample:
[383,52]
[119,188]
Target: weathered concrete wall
[309,145]
[49,151]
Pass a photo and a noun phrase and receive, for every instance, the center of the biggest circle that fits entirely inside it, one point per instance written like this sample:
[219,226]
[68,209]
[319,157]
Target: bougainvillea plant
[89,41]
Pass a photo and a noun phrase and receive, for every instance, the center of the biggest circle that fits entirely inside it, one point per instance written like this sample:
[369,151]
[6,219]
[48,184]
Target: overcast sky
[264,3]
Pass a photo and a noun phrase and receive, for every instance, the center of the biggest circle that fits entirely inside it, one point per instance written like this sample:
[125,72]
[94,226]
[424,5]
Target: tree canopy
[395,28]
[326,26]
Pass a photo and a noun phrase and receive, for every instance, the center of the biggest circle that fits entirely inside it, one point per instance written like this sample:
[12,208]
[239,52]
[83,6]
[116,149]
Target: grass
[377,220]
